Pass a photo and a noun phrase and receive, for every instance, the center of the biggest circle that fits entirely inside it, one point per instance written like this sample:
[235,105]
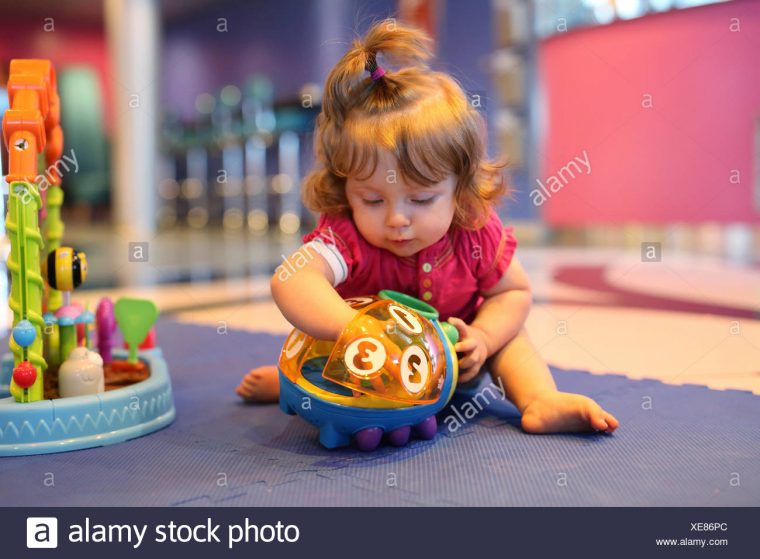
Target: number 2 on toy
[415,369]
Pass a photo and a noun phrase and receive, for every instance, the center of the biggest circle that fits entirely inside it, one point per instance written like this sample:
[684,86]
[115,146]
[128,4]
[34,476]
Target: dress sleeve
[336,239]
[497,245]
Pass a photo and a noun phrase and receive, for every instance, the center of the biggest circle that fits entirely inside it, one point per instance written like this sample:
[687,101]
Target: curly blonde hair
[421,116]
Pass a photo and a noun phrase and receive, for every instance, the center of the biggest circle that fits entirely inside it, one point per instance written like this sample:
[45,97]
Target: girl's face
[401,217]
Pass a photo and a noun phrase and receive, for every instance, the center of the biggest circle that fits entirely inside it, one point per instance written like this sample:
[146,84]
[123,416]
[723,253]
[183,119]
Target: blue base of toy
[338,424]
[89,421]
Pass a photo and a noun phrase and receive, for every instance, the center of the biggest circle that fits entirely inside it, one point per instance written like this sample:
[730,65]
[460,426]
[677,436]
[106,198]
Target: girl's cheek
[365,218]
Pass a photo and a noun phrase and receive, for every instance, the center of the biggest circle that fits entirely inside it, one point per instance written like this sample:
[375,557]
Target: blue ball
[24,333]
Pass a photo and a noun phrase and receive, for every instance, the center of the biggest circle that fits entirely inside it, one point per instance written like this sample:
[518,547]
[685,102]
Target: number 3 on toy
[364,357]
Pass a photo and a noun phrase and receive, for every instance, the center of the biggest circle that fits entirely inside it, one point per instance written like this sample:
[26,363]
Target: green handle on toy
[135,318]
[451,332]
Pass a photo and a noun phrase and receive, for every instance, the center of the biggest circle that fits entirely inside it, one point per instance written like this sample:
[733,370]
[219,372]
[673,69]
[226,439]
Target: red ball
[25,375]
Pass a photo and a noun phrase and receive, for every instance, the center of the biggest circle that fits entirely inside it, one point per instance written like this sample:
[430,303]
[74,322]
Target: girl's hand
[472,343]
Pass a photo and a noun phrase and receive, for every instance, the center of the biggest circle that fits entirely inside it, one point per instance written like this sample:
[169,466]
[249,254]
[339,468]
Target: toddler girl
[406,197]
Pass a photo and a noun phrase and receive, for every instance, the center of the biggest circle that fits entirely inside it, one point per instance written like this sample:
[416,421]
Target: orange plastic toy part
[388,351]
[34,114]
[299,347]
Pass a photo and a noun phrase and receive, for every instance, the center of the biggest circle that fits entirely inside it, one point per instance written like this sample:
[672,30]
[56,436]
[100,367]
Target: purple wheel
[400,436]
[427,428]
[369,439]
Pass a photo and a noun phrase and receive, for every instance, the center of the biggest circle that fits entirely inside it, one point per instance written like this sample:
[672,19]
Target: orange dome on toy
[389,352]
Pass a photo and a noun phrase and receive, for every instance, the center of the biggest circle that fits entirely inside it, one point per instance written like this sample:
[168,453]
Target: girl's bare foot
[260,385]
[556,412]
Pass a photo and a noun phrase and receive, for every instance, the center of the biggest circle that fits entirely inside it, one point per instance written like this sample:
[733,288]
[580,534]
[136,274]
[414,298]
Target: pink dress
[449,275]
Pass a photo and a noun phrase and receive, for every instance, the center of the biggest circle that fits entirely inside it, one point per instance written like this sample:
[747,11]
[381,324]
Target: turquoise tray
[89,421]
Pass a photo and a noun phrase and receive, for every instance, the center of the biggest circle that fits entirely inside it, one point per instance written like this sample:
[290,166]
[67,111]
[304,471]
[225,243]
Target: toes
[594,416]
[599,419]
[259,385]
[603,421]
[254,374]
[611,421]
[250,382]
[247,387]
[598,423]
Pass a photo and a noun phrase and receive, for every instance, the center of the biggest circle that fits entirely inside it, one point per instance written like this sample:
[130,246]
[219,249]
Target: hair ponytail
[350,84]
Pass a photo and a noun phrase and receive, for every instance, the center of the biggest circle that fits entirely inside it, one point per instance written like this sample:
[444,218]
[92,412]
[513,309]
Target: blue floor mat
[677,446]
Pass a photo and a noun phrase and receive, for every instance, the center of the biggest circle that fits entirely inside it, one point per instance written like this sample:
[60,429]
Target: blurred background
[632,128]
[192,120]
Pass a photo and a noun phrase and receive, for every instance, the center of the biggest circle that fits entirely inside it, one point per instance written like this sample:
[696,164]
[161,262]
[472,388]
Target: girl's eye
[423,201]
[373,202]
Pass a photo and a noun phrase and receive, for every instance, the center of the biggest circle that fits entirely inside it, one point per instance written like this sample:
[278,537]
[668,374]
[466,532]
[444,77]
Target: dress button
[426,267]
[427,282]
[427,295]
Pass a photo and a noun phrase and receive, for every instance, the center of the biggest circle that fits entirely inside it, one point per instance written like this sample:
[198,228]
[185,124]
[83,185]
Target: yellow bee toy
[66,268]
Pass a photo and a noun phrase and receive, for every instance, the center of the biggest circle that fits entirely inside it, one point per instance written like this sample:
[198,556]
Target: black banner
[425,533]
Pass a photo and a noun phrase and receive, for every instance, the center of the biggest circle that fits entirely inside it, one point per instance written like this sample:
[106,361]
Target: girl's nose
[397,219]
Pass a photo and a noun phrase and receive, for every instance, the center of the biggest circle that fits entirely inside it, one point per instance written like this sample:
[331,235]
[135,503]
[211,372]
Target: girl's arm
[505,308]
[306,297]
[499,319]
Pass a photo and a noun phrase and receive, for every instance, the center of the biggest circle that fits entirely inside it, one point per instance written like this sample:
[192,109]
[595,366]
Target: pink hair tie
[378,73]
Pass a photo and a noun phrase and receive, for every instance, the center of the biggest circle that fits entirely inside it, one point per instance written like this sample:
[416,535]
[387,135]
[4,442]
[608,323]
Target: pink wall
[70,44]
[671,162]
